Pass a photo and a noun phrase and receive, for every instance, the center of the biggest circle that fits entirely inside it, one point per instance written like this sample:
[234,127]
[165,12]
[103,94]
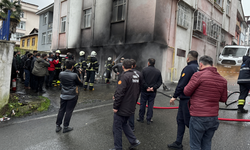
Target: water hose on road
[221,119]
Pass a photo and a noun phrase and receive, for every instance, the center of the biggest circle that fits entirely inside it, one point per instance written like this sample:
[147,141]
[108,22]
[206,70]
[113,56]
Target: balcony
[50,25]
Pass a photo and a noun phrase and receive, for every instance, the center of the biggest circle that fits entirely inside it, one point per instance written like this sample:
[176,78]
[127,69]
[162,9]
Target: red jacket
[52,62]
[206,89]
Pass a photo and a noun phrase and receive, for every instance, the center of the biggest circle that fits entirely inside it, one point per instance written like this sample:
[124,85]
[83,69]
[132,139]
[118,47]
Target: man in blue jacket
[183,115]
[244,83]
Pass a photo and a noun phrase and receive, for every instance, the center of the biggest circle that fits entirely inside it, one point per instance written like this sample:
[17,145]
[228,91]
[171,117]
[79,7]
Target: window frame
[43,38]
[183,17]
[23,24]
[23,43]
[45,18]
[63,22]
[49,40]
[22,14]
[28,42]
[87,16]
[33,41]
[228,7]
[115,13]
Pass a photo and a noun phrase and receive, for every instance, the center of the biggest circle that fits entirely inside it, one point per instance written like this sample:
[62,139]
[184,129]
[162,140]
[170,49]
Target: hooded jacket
[244,75]
[40,67]
[206,89]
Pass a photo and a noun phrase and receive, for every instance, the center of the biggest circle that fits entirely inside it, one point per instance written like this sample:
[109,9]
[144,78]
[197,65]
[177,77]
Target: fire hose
[222,119]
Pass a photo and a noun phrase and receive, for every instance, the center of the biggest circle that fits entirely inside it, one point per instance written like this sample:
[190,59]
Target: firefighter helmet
[58,51]
[93,53]
[82,53]
[109,59]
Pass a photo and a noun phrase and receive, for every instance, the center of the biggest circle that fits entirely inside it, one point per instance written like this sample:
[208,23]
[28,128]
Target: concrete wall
[74,28]
[6,56]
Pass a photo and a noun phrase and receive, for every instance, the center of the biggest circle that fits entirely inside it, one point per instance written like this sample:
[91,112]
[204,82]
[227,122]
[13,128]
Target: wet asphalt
[92,122]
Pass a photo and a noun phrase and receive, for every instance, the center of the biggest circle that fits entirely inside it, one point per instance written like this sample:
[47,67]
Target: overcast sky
[44,3]
[40,3]
[246,7]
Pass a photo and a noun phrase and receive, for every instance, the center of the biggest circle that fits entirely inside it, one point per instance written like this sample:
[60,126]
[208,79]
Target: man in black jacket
[69,96]
[244,83]
[118,69]
[183,115]
[138,74]
[125,97]
[27,70]
[152,80]
[23,59]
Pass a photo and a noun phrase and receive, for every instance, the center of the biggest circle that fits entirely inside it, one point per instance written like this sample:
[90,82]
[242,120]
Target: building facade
[163,29]
[30,42]
[29,21]
[116,28]
[206,26]
[45,28]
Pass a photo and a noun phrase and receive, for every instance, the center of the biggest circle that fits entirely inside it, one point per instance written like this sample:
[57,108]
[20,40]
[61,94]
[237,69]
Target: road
[92,124]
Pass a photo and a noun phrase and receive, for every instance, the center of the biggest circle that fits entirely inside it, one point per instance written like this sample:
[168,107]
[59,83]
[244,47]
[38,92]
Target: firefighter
[109,64]
[56,81]
[244,83]
[92,67]
[81,65]
[118,68]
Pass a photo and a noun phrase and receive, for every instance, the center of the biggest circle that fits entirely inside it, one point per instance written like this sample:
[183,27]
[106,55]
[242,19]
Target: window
[28,42]
[49,37]
[119,9]
[183,19]
[21,25]
[19,35]
[22,14]
[23,42]
[87,18]
[228,7]
[33,41]
[213,30]
[63,25]
[45,16]
[219,2]
[43,38]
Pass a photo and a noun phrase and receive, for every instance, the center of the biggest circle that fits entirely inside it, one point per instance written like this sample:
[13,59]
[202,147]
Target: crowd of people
[198,110]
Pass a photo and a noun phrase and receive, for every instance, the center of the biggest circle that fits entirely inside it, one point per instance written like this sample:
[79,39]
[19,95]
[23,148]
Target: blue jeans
[183,118]
[150,98]
[27,77]
[201,130]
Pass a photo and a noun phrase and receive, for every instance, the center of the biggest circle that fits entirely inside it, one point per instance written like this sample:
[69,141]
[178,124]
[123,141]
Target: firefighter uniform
[58,69]
[81,65]
[108,65]
[244,83]
[91,67]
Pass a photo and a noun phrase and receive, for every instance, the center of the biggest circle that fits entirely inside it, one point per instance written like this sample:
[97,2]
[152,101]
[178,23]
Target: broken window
[119,9]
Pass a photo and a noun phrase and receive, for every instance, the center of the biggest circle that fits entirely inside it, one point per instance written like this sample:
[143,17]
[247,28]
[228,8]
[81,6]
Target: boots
[241,109]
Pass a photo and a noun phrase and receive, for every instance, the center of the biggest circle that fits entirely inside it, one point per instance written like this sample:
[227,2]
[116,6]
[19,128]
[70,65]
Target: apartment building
[45,28]
[138,29]
[247,38]
[29,21]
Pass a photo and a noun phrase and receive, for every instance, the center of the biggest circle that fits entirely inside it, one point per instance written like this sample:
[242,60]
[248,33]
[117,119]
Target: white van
[231,56]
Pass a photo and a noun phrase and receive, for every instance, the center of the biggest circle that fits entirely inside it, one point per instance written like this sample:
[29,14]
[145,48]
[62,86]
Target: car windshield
[234,52]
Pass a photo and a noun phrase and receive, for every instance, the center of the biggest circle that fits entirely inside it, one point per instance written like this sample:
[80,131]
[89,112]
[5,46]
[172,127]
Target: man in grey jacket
[69,96]
[40,70]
